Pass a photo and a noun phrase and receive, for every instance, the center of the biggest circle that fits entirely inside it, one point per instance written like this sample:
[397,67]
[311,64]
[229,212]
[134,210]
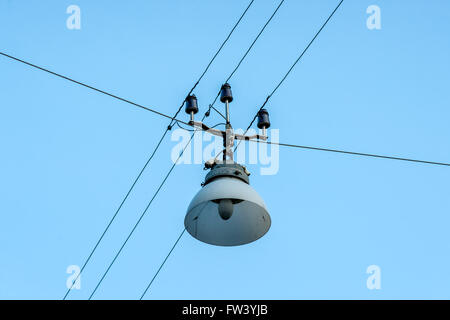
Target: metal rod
[227,111]
[228,143]
[225,149]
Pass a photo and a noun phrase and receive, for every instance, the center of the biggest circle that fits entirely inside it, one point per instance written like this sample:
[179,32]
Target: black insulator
[191,104]
[225,93]
[263,119]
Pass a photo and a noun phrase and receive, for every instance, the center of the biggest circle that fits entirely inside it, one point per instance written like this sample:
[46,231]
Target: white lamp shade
[248,222]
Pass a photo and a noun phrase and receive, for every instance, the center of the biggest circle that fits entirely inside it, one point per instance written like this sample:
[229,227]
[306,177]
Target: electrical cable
[218,124]
[246,53]
[353,153]
[291,68]
[220,113]
[162,264]
[91,87]
[167,256]
[190,130]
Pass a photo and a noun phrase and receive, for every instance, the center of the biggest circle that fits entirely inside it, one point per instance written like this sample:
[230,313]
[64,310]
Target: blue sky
[70,154]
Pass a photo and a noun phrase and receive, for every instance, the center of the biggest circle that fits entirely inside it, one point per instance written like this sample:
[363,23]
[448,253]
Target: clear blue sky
[68,155]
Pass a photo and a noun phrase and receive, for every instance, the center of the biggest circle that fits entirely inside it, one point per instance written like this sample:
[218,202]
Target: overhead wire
[167,257]
[353,153]
[179,126]
[90,87]
[247,52]
[218,112]
[192,130]
[162,264]
[291,68]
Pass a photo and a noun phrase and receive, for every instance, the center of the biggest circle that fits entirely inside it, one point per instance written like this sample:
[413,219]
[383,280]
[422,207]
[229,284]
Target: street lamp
[227,211]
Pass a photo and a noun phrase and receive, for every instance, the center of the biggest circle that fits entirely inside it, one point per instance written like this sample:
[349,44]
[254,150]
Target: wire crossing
[354,153]
[169,127]
[291,68]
